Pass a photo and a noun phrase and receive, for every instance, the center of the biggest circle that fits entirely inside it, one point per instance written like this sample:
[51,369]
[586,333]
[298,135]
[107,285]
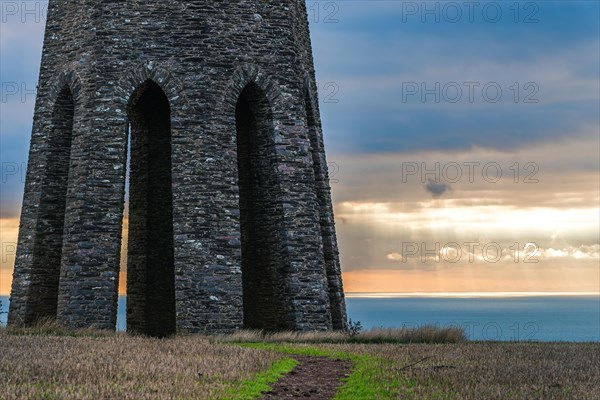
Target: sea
[483,316]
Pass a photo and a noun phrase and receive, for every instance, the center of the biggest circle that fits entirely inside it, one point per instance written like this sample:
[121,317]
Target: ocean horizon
[506,316]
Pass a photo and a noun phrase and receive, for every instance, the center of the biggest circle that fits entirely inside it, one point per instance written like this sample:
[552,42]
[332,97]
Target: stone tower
[214,105]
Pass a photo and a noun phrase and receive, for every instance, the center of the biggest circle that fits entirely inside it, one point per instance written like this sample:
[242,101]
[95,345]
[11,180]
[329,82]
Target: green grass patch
[255,387]
[371,377]
[299,350]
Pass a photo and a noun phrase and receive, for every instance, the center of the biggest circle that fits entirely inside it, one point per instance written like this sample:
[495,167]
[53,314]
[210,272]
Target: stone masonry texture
[230,215]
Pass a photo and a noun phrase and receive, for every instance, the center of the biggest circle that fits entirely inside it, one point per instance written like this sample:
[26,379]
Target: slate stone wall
[253,237]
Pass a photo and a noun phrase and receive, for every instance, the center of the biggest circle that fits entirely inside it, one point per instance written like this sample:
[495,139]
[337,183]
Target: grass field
[38,365]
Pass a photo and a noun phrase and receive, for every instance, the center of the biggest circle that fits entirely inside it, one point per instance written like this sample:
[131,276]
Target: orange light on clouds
[469,279]
[557,276]
[5,282]
[9,230]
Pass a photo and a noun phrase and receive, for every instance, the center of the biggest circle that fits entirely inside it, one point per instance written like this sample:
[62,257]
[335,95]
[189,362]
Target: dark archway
[262,269]
[323,205]
[150,255]
[42,299]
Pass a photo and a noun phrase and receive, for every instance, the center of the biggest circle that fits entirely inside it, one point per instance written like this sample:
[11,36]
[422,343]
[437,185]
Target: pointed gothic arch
[150,258]
[42,297]
[262,266]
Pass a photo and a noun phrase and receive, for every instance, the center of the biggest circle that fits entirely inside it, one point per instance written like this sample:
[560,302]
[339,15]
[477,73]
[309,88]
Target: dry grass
[52,328]
[122,367]
[486,370]
[425,334]
[109,366]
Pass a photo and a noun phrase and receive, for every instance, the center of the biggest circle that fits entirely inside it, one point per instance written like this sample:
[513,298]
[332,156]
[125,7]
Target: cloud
[394,256]
[436,189]
[561,66]
[556,220]
[582,252]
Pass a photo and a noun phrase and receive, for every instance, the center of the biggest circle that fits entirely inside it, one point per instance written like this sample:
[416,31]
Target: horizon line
[467,294]
[448,294]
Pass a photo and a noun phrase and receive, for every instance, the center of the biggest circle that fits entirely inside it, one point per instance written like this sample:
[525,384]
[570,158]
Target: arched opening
[261,262]
[42,299]
[327,230]
[150,257]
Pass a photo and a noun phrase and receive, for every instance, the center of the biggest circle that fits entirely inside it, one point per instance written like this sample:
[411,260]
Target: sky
[463,140]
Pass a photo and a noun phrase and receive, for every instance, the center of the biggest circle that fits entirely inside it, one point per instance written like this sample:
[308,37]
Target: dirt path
[314,378]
